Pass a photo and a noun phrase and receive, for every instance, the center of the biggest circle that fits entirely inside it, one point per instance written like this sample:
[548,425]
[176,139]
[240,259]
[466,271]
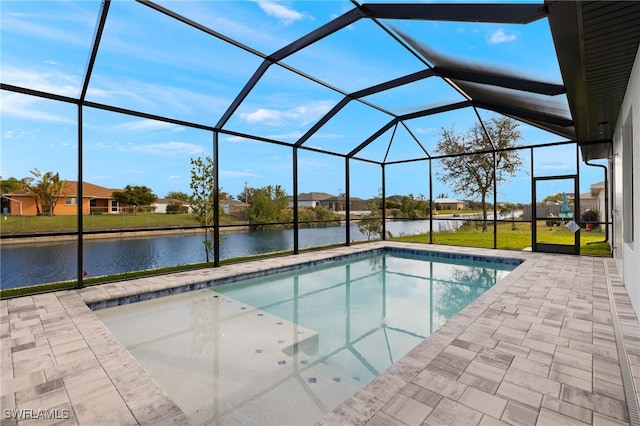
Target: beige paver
[537,348]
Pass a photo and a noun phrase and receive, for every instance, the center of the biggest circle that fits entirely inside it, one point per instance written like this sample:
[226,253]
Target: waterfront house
[95,199]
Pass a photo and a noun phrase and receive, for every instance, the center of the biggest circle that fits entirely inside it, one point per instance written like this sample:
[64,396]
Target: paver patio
[555,342]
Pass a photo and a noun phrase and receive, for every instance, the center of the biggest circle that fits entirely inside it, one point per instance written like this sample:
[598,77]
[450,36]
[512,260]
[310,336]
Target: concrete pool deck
[555,342]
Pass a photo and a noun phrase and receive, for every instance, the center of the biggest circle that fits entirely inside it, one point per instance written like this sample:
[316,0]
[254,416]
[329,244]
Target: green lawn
[27,224]
[516,239]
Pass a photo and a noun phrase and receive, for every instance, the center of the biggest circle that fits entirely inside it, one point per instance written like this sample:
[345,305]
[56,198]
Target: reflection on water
[288,348]
[29,264]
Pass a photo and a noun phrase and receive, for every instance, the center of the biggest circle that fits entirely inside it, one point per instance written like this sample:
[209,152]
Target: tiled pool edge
[31,324]
[373,404]
[375,395]
[148,402]
[136,296]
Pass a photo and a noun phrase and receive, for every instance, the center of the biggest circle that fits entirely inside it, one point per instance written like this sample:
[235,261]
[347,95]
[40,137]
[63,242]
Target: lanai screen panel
[555,161]
[177,71]
[321,196]
[46,47]
[351,59]
[530,135]
[264,26]
[39,136]
[282,106]
[396,144]
[429,128]
[257,163]
[514,82]
[321,174]
[345,131]
[140,152]
[523,50]
[420,95]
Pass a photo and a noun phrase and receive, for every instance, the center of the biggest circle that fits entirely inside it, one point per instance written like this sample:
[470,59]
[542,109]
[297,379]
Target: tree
[203,185]
[472,174]
[557,198]
[266,204]
[137,196]
[173,208]
[506,209]
[178,195]
[46,188]
[371,223]
[10,185]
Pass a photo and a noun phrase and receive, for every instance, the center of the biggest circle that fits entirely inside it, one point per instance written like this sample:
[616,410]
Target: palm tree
[46,188]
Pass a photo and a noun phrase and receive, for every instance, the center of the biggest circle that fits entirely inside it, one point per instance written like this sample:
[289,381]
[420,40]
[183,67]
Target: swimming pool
[288,348]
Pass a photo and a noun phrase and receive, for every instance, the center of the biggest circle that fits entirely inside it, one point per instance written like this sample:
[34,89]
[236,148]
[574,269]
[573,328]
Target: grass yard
[516,239]
[30,224]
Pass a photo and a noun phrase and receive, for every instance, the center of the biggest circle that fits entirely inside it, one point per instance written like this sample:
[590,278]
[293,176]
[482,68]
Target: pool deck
[556,342]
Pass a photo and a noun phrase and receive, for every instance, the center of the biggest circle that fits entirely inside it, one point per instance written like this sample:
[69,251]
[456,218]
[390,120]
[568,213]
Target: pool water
[290,347]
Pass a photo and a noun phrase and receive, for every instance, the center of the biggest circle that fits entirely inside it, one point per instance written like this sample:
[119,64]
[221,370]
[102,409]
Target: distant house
[337,204]
[449,204]
[594,199]
[395,198]
[234,208]
[95,199]
[160,205]
[310,199]
[327,201]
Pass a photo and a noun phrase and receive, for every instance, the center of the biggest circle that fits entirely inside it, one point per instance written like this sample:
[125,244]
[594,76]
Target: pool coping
[102,301]
[54,347]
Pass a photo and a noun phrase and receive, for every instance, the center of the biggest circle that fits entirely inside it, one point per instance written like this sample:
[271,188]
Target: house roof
[596,188]
[89,190]
[351,199]
[596,44]
[170,201]
[447,201]
[396,198]
[237,203]
[314,196]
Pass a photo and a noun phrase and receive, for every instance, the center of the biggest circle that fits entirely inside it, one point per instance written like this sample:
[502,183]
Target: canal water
[38,263]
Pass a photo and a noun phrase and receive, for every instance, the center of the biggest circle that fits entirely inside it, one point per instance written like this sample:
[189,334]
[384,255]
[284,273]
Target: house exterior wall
[627,253]
[29,206]
[601,205]
[63,209]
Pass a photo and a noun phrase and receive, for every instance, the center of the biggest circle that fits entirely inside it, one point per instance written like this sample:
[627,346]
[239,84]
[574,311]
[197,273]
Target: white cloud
[424,130]
[146,125]
[499,36]
[234,139]
[284,14]
[267,116]
[23,24]
[49,80]
[166,149]
[303,114]
[150,97]
[236,174]
[555,165]
[32,108]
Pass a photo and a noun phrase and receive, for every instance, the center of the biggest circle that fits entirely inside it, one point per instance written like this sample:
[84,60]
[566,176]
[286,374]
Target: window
[70,201]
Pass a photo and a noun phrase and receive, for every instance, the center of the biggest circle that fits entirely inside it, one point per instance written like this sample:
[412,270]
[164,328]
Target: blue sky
[151,63]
